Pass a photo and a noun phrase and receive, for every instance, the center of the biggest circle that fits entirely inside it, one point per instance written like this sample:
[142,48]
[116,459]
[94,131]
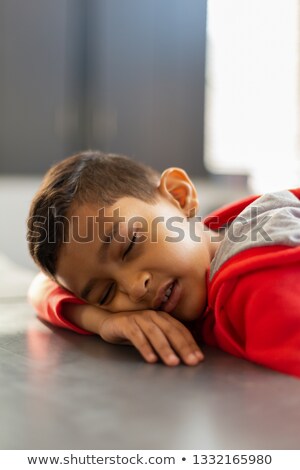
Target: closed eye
[104,298]
[130,246]
[107,293]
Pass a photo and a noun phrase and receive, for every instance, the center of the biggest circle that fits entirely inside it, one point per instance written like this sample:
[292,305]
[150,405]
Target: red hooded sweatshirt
[253,309]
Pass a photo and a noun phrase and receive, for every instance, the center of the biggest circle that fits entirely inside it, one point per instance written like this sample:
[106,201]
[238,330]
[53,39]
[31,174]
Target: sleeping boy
[123,256]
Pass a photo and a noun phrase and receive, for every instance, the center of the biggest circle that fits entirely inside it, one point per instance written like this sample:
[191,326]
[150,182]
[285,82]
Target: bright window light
[252,115]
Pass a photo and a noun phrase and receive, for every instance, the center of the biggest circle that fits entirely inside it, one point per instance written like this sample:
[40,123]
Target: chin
[188,315]
[193,311]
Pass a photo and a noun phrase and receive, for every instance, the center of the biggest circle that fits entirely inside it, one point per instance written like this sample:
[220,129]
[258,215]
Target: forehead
[93,216]
[126,210]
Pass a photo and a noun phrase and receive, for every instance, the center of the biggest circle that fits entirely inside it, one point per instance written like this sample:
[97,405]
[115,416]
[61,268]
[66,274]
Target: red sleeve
[48,298]
[261,319]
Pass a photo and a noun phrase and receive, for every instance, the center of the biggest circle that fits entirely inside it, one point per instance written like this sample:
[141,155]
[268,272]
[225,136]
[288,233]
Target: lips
[167,304]
[161,294]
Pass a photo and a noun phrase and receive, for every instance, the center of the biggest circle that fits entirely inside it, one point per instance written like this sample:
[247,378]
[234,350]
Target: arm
[49,299]
[261,320]
[154,334]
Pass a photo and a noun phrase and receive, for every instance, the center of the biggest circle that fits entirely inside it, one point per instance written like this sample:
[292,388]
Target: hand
[154,334]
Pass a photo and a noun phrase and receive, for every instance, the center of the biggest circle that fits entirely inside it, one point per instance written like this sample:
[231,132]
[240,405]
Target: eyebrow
[101,255]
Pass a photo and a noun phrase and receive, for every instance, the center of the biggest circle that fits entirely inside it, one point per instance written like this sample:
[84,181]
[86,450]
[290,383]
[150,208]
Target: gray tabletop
[60,390]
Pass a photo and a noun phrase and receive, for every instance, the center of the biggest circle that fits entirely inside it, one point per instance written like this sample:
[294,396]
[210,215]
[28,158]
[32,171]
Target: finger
[138,339]
[180,338]
[158,341]
[182,329]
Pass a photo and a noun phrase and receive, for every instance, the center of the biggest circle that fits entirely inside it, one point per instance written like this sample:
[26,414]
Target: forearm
[87,317]
[49,300]
[40,289]
[154,334]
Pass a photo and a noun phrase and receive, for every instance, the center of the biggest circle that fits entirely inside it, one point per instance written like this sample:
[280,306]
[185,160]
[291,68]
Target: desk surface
[60,390]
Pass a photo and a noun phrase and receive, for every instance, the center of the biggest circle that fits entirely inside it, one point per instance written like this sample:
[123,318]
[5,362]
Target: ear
[177,187]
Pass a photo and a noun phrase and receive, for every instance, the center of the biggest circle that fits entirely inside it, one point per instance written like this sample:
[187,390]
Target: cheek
[194,299]
[121,303]
[193,274]
[186,257]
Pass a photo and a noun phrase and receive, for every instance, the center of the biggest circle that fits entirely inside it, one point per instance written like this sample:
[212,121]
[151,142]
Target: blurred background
[211,86]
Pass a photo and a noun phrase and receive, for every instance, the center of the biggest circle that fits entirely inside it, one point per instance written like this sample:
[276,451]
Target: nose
[136,287]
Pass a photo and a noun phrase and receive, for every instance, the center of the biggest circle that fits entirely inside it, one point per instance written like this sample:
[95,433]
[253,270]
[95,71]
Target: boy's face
[149,253]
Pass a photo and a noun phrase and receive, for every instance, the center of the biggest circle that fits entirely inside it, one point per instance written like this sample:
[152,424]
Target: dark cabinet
[122,76]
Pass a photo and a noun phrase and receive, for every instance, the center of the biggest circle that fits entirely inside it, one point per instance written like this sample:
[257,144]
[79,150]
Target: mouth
[168,297]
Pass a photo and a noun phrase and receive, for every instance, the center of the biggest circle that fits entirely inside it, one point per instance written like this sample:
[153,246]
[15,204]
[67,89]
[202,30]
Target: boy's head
[87,177]
[152,254]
